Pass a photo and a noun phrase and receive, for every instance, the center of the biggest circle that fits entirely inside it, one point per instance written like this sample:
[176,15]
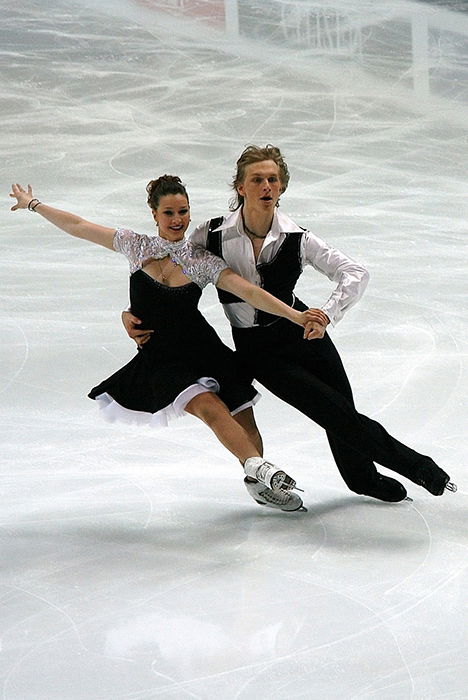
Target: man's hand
[131,324]
[317,321]
[313,330]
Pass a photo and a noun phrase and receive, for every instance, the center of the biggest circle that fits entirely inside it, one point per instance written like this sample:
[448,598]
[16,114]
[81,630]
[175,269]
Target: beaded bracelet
[33,207]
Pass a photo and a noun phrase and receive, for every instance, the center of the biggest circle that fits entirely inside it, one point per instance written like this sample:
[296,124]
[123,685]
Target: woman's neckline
[161,284]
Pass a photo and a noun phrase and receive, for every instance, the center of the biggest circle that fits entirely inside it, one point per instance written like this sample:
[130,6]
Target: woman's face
[172,216]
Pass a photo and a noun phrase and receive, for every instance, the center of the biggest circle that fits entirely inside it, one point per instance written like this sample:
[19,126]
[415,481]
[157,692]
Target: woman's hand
[131,324]
[22,196]
[318,315]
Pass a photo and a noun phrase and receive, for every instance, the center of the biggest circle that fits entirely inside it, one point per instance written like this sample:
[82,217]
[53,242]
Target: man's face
[262,186]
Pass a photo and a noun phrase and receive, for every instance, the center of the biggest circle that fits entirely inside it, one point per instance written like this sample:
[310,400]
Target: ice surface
[134,564]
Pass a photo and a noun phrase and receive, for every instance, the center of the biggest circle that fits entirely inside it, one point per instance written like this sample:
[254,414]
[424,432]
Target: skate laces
[279,498]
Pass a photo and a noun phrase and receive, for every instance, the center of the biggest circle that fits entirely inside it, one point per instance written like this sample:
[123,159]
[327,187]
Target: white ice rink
[134,564]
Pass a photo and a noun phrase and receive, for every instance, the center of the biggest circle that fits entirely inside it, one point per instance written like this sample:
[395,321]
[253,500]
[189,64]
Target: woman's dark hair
[166,184]
[255,154]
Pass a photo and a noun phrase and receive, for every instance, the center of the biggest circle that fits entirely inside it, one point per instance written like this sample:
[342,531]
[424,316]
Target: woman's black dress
[183,353]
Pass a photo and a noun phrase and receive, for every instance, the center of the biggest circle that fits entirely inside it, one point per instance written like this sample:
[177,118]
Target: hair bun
[162,186]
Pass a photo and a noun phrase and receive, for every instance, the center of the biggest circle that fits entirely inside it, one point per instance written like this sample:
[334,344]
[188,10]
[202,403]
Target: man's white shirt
[351,278]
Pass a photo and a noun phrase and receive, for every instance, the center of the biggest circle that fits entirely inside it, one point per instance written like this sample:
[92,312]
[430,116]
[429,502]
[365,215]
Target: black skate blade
[407,498]
[450,486]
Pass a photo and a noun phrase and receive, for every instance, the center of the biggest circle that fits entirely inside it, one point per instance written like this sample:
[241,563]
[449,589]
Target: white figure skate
[266,472]
[281,500]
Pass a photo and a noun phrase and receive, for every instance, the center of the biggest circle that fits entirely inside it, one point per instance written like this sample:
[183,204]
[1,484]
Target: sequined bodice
[172,312]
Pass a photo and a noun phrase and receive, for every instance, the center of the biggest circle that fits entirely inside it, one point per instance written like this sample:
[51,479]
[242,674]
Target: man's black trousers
[309,375]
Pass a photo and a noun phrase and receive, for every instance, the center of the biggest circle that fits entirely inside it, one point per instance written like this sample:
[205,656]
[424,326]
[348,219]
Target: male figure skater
[269,249]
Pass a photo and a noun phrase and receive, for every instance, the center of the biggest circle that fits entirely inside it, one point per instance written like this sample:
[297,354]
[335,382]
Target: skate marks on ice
[215,597]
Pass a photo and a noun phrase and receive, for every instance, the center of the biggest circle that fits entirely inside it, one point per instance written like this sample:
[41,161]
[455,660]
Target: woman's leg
[246,419]
[268,485]
[231,433]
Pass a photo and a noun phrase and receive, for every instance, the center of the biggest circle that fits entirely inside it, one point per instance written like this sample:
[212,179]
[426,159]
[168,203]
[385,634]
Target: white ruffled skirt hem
[113,412]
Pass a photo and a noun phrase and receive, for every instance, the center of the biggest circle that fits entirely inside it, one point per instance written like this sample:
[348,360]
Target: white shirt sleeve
[199,236]
[351,278]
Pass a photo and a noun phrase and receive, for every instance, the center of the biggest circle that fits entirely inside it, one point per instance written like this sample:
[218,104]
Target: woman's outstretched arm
[70,223]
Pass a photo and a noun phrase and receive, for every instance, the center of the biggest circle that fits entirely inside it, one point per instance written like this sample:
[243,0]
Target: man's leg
[420,469]
[357,470]
[309,375]
[257,348]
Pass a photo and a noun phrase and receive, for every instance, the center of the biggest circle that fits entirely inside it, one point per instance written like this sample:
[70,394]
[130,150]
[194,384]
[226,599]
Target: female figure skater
[184,367]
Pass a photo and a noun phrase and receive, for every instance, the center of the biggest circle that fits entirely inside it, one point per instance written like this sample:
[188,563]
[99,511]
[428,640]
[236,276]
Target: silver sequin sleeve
[199,265]
[137,247]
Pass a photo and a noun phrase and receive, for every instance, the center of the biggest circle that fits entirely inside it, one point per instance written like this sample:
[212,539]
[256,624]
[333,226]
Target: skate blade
[290,485]
[407,498]
[450,486]
[301,509]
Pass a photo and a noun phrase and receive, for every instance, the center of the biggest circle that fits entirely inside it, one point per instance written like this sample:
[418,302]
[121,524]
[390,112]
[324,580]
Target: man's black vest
[279,276]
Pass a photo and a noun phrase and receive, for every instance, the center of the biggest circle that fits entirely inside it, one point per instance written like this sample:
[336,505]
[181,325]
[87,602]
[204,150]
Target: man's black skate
[385,489]
[431,477]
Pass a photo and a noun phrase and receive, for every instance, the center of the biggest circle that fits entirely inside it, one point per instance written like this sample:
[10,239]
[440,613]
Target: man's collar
[281,223]
[230,221]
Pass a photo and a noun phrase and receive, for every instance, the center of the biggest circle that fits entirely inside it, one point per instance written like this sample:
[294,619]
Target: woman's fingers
[317,315]
[22,196]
